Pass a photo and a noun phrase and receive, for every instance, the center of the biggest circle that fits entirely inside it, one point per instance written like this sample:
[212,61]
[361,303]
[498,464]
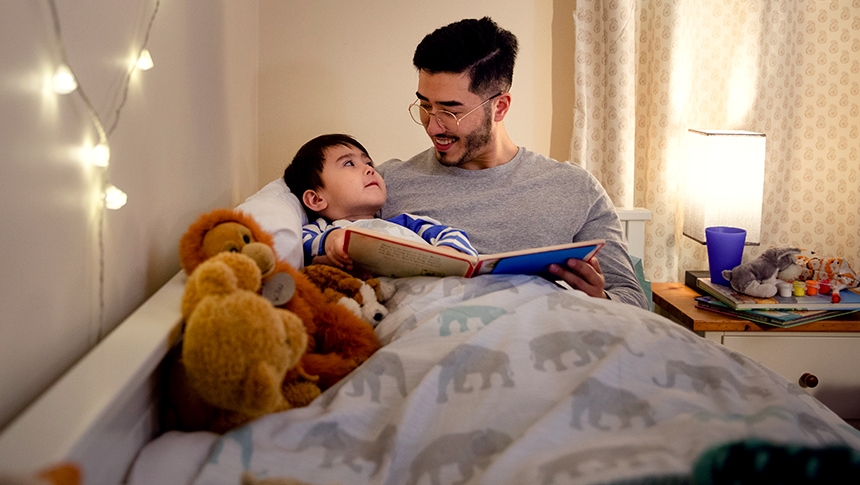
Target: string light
[144,61]
[64,82]
[101,155]
[114,197]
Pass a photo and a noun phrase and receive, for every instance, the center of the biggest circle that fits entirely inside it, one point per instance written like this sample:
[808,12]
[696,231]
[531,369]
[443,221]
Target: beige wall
[185,143]
[333,66]
[563,43]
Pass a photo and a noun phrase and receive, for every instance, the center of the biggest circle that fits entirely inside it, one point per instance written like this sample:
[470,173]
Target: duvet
[514,380]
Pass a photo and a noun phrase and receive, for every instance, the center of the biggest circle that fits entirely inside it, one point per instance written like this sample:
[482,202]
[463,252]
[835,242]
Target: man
[476,179]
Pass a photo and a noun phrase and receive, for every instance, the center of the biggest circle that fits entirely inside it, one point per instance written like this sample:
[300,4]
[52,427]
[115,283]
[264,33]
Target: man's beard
[472,144]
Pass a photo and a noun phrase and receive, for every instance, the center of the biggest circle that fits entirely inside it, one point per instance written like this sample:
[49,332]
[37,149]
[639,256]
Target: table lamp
[724,189]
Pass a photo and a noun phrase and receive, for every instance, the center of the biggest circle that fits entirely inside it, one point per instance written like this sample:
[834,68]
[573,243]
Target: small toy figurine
[835,286]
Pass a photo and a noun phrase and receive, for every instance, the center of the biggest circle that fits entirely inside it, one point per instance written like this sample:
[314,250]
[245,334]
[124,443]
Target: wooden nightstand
[823,356]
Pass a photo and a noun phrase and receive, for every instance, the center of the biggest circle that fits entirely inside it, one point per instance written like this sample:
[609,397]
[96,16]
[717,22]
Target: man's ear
[503,104]
[314,201]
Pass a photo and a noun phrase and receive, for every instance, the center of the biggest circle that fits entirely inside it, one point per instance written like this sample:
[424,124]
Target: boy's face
[352,188]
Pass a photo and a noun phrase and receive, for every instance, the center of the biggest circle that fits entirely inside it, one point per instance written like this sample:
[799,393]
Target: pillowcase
[280,213]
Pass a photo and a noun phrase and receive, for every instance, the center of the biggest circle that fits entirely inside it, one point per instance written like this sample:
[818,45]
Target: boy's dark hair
[480,47]
[305,171]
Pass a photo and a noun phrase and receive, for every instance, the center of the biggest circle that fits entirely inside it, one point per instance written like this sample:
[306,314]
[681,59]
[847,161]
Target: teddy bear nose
[378,316]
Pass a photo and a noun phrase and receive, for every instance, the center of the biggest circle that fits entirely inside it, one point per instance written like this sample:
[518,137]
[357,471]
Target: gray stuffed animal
[758,277]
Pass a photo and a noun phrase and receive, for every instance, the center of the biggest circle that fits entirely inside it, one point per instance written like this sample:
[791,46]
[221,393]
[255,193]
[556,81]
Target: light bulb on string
[100,156]
[64,81]
[144,61]
[114,197]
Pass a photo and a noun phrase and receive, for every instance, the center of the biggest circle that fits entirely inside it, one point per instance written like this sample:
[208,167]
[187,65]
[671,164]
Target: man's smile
[443,142]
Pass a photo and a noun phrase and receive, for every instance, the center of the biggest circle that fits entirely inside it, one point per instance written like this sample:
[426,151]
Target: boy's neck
[350,217]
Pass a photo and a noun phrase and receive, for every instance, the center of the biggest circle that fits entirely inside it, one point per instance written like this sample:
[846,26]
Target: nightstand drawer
[834,359]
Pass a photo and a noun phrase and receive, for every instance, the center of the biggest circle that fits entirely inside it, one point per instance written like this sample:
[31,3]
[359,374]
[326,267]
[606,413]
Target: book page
[398,259]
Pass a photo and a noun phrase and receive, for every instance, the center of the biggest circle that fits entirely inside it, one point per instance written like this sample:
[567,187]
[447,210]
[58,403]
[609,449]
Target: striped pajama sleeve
[436,234]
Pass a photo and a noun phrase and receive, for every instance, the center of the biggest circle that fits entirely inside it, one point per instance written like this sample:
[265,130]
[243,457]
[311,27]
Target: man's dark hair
[305,171]
[480,47]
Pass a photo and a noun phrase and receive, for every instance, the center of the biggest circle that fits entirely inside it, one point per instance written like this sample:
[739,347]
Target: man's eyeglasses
[448,120]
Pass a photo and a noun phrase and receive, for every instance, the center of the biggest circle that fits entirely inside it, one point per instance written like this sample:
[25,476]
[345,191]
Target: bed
[485,380]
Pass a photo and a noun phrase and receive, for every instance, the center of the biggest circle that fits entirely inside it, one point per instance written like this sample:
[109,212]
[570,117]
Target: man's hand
[583,276]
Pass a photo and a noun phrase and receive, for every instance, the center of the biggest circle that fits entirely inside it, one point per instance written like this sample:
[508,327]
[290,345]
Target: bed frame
[106,407]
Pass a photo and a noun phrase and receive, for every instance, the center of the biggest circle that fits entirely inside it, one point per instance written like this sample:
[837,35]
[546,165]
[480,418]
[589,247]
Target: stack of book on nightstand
[777,311]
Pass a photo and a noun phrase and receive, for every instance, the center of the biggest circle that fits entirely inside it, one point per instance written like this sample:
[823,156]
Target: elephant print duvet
[514,380]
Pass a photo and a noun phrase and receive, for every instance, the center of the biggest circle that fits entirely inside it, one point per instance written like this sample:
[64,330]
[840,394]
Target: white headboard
[633,225]
[104,409]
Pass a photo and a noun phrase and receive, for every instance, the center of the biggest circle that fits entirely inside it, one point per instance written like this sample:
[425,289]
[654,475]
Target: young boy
[335,179]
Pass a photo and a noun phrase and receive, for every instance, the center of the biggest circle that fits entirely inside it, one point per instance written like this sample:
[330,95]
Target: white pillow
[280,213]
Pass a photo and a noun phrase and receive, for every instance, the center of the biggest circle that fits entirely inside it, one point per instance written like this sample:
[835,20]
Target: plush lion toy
[365,298]
[339,340]
[237,348]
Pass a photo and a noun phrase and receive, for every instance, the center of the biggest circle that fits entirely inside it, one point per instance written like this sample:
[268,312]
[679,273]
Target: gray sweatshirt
[529,202]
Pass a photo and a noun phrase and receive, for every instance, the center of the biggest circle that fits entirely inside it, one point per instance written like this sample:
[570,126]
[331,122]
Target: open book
[385,255]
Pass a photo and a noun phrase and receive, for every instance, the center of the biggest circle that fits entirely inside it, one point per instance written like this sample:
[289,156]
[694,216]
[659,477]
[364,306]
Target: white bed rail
[103,410]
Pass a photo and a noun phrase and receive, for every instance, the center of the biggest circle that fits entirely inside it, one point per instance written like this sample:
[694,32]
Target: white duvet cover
[513,380]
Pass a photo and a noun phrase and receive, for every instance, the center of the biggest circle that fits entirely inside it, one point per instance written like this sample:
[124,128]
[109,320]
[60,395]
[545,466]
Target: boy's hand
[449,249]
[335,251]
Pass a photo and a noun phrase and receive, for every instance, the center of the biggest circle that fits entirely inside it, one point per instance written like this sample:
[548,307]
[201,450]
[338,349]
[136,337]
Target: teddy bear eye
[246,238]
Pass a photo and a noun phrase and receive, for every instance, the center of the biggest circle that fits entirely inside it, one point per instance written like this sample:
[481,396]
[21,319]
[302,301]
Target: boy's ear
[314,201]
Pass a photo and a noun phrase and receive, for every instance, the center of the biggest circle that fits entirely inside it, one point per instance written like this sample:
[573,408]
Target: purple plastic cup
[725,250]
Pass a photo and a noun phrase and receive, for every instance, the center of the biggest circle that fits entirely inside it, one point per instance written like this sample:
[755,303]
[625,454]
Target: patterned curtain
[648,70]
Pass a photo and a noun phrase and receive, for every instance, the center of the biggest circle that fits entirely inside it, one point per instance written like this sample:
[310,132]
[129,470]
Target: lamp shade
[724,182]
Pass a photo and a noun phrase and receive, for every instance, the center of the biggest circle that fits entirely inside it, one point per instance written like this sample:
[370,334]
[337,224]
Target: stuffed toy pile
[337,341]
[758,278]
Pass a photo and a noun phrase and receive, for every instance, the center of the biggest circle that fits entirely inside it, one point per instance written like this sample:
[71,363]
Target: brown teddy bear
[365,298]
[237,347]
[339,340]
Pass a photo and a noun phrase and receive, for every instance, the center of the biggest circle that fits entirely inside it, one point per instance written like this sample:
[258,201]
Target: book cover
[385,255]
[777,318]
[740,301]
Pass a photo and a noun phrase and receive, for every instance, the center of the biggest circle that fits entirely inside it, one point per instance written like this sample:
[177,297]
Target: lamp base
[691,276]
